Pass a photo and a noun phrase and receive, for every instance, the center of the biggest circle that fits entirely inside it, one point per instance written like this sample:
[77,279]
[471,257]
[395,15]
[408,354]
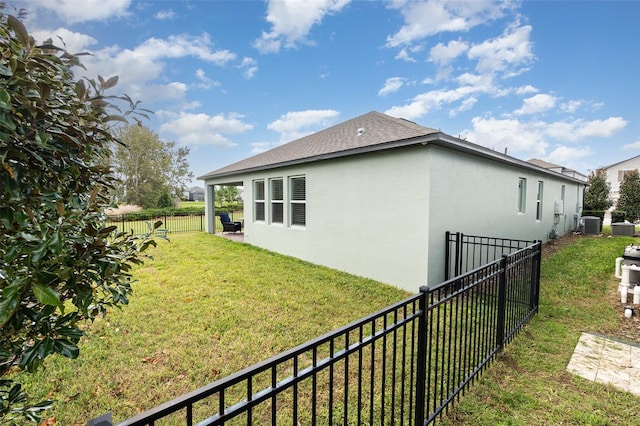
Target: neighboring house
[560,169]
[195,193]
[616,173]
[374,196]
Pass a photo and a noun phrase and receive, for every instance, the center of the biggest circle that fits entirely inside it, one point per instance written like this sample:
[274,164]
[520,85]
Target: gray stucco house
[374,195]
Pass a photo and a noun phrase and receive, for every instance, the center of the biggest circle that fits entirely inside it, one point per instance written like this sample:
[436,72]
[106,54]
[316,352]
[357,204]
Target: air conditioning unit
[590,225]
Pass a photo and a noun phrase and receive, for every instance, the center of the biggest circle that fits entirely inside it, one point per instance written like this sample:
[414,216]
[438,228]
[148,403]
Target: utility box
[623,229]
[590,225]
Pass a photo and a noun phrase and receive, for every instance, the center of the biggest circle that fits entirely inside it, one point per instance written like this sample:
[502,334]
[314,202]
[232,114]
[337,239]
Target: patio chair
[228,225]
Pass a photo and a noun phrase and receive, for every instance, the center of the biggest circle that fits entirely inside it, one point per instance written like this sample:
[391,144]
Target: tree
[596,196]
[629,200]
[149,167]
[60,264]
[227,194]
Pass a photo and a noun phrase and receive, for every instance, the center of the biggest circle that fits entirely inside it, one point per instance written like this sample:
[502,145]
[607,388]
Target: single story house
[616,173]
[195,193]
[374,196]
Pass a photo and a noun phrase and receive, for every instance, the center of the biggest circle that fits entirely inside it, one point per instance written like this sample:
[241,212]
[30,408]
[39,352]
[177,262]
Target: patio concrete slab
[233,236]
[605,360]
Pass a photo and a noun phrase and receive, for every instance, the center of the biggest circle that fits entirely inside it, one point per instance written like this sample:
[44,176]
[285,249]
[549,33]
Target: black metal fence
[403,365]
[137,223]
[466,252]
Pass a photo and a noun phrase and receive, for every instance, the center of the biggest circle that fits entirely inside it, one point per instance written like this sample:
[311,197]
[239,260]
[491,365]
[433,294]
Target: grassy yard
[528,384]
[207,307]
[204,308]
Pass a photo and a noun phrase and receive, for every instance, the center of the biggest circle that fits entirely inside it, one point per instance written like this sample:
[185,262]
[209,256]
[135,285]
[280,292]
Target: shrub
[618,216]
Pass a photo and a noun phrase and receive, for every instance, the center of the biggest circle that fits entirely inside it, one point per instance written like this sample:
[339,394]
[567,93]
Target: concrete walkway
[234,236]
[608,361]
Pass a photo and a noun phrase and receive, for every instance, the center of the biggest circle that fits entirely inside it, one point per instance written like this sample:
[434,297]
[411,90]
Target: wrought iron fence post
[458,268]
[447,255]
[536,263]
[421,362]
[502,301]
[122,217]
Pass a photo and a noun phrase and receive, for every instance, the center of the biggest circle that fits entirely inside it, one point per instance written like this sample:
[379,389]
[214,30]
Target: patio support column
[210,209]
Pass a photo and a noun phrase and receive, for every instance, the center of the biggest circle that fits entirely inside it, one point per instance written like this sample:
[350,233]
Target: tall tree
[629,200]
[596,196]
[227,194]
[149,168]
[60,264]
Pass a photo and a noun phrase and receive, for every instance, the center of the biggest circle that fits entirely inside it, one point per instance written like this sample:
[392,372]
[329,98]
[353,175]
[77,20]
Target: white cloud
[635,146]
[165,15]
[571,106]
[508,53]
[73,11]
[580,129]
[567,155]
[74,42]
[203,129]
[465,105]
[392,85]
[531,138]
[205,82]
[403,55]
[464,97]
[179,46]
[443,54]
[250,67]
[526,90]
[519,137]
[140,69]
[292,20]
[426,18]
[535,104]
[296,124]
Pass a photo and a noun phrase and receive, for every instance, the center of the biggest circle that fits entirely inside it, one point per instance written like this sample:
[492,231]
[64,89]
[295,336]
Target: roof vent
[361,130]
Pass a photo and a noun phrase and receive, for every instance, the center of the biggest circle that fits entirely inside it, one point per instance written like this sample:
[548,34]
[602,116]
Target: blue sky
[556,80]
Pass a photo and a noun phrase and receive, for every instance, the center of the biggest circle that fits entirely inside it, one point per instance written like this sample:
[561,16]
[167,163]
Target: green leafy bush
[618,216]
[60,264]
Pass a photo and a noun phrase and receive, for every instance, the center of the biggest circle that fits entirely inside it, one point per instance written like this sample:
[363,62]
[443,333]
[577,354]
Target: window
[622,174]
[522,195]
[298,200]
[539,202]
[258,200]
[276,197]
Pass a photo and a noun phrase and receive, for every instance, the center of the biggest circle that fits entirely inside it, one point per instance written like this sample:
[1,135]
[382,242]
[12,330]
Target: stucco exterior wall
[476,196]
[363,216]
[384,215]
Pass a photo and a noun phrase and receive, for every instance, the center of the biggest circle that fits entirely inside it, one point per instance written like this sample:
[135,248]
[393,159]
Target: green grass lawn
[207,307]
[529,384]
[204,308]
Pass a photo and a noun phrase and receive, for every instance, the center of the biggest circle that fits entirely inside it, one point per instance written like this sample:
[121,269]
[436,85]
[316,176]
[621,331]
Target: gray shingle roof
[544,164]
[368,130]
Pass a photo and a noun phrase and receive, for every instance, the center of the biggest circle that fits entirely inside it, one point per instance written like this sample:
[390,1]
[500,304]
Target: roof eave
[425,139]
[437,138]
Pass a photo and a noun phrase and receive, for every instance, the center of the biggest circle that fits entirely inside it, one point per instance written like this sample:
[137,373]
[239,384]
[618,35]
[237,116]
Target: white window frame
[276,203]
[539,200]
[522,195]
[259,201]
[295,202]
